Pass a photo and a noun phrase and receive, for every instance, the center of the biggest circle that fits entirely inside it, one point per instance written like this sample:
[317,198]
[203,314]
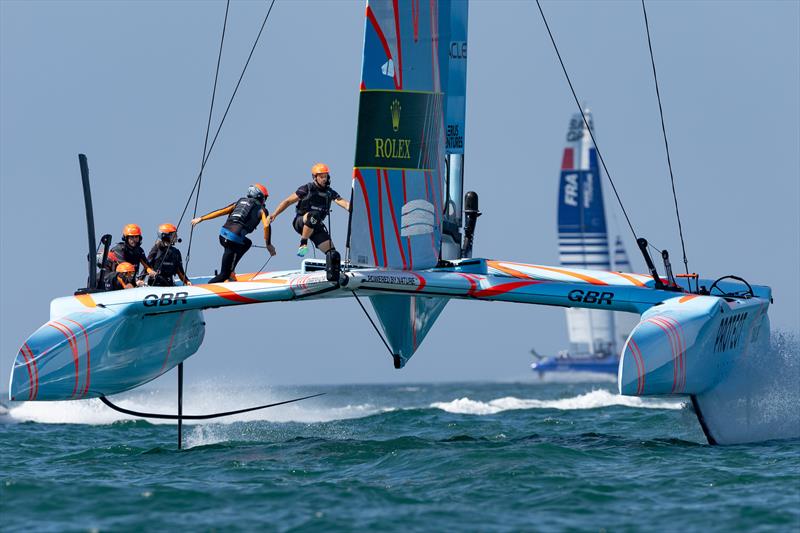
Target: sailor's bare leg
[307,230]
[325,246]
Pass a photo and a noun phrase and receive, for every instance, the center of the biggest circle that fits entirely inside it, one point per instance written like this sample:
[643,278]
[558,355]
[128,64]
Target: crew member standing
[166,259]
[313,204]
[243,217]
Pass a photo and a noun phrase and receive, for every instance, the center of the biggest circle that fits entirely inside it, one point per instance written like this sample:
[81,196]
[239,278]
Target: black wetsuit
[243,219]
[122,253]
[316,201]
[167,262]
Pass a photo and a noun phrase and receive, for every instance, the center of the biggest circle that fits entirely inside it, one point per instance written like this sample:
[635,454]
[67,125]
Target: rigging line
[224,115]
[260,270]
[586,122]
[666,144]
[373,324]
[208,129]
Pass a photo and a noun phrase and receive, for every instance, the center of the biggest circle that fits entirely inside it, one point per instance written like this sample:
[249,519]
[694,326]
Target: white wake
[591,400]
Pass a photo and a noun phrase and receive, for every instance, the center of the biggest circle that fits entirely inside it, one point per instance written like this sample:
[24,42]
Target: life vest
[246,215]
[317,199]
[166,261]
[121,252]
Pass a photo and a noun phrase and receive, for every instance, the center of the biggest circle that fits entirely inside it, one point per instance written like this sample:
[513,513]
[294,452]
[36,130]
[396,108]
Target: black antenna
[87,201]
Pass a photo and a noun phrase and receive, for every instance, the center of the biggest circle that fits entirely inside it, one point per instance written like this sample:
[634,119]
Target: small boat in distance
[595,337]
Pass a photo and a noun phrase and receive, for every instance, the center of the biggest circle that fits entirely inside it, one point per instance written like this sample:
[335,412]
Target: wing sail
[398,175]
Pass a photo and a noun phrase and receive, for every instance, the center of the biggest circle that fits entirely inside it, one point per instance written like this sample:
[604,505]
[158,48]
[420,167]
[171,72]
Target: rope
[208,129]
[373,324]
[260,270]
[222,121]
[586,122]
[666,144]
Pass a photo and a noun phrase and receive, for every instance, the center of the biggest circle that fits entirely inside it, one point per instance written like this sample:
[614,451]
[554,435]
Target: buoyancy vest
[121,252]
[318,200]
[166,260]
[245,216]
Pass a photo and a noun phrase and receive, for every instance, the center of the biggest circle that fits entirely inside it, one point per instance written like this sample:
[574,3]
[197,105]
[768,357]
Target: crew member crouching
[124,278]
[243,217]
[313,205]
[166,258]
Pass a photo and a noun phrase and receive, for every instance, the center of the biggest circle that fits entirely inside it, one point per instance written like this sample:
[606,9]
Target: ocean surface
[533,456]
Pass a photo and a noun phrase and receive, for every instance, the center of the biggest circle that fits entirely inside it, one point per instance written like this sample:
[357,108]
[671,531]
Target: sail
[582,234]
[398,177]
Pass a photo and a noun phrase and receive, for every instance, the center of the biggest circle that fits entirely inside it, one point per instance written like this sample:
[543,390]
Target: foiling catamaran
[409,251]
[594,335]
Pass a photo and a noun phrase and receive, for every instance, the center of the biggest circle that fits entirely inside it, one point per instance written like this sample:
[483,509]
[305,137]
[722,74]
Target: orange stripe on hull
[249,277]
[584,277]
[507,270]
[629,278]
[86,299]
[228,294]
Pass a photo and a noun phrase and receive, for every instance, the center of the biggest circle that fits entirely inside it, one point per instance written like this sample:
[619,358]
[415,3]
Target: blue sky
[129,84]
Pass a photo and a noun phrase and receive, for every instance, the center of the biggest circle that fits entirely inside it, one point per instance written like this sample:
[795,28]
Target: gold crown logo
[395,109]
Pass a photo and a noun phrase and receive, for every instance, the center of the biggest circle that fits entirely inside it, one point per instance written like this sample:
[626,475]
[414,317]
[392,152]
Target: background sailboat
[595,336]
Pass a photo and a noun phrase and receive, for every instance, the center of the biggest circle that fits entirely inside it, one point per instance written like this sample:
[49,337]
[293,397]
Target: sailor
[313,204]
[129,250]
[243,216]
[166,259]
[125,277]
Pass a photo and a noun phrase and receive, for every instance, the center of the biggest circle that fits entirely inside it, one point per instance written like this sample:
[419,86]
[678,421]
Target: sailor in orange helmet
[243,216]
[313,204]
[125,277]
[166,258]
[129,250]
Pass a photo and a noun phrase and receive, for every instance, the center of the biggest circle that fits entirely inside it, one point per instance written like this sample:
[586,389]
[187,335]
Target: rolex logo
[395,108]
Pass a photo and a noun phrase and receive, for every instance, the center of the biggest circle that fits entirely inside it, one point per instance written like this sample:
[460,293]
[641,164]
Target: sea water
[529,456]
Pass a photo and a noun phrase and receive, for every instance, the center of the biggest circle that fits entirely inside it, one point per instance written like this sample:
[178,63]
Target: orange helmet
[257,191]
[125,268]
[131,230]
[320,168]
[167,232]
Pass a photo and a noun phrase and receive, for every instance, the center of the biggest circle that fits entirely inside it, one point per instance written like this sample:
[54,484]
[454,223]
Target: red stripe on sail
[567,162]
[399,69]
[382,37]
[394,218]
[380,217]
[360,179]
